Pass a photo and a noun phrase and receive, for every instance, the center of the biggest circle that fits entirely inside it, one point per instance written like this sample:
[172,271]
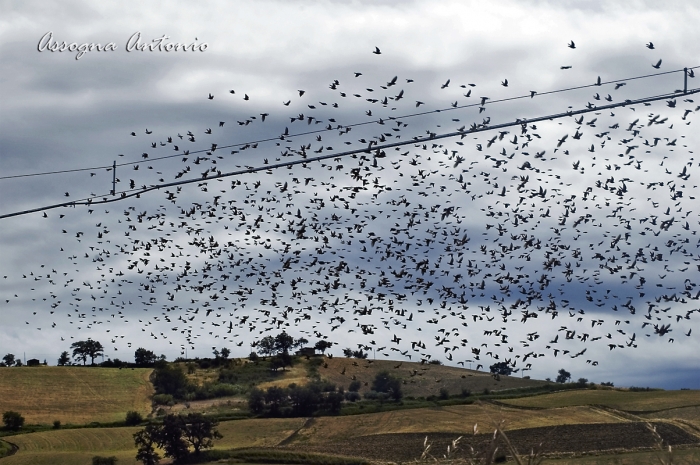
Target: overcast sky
[491,225]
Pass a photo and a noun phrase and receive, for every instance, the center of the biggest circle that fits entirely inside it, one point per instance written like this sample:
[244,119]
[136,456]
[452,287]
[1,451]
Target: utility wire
[410,115]
[416,140]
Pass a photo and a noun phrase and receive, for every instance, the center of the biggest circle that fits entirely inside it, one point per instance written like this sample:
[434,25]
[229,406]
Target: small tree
[146,441]
[501,368]
[323,345]
[144,358]
[171,438]
[9,359]
[170,380]
[256,401]
[384,382]
[199,431]
[225,353]
[563,376]
[64,358]
[13,420]
[266,345]
[82,350]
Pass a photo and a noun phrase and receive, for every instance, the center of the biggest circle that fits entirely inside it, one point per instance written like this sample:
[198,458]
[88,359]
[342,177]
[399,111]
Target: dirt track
[556,439]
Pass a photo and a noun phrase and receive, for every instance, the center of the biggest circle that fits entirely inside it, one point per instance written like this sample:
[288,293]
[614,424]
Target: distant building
[307,351]
[33,362]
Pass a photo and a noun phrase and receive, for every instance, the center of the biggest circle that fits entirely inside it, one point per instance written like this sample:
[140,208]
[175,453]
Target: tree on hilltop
[563,376]
[82,350]
[9,360]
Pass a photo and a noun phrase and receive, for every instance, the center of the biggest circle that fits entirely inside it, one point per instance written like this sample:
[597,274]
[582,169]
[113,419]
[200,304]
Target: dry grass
[74,395]
[621,400]
[420,380]
[296,374]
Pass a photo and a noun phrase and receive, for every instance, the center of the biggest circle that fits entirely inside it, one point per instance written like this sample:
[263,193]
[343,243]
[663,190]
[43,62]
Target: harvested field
[554,439]
[451,419]
[75,395]
[635,402]
[689,415]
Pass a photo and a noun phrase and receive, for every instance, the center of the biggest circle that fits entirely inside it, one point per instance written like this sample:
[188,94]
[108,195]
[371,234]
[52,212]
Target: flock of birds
[510,245]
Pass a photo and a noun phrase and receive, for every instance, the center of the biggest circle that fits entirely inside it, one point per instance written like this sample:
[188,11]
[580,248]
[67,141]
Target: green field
[646,401]
[74,395]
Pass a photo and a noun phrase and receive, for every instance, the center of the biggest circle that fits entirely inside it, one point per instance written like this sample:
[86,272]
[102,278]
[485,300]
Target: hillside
[74,395]
[569,422]
[419,380]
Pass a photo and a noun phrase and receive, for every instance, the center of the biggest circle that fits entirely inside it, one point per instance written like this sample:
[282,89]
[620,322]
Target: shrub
[57,424]
[170,380]
[13,420]
[256,401]
[444,394]
[466,392]
[253,357]
[352,396]
[133,418]
[164,399]
[354,386]
[97,460]
[386,383]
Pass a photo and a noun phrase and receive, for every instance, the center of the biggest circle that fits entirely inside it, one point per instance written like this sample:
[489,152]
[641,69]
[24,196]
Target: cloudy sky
[531,247]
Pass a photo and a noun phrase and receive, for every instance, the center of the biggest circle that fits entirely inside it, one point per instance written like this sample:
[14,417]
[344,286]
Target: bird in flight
[572,44]
[377,51]
[657,65]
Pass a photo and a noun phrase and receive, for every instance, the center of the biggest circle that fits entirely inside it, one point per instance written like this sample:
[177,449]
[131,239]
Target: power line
[410,115]
[416,140]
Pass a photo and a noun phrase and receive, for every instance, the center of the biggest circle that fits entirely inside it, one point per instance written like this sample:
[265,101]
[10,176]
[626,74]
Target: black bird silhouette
[377,51]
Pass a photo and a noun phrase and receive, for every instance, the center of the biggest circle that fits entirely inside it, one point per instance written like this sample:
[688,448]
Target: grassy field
[646,401]
[74,395]
[78,446]
[75,446]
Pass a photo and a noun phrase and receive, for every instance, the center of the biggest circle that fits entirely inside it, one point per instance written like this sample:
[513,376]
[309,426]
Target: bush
[97,460]
[444,394]
[164,399]
[57,424]
[133,418]
[13,420]
[386,383]
[253,357]
[354,386]
[466,392]
[170,380]
[352,396]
